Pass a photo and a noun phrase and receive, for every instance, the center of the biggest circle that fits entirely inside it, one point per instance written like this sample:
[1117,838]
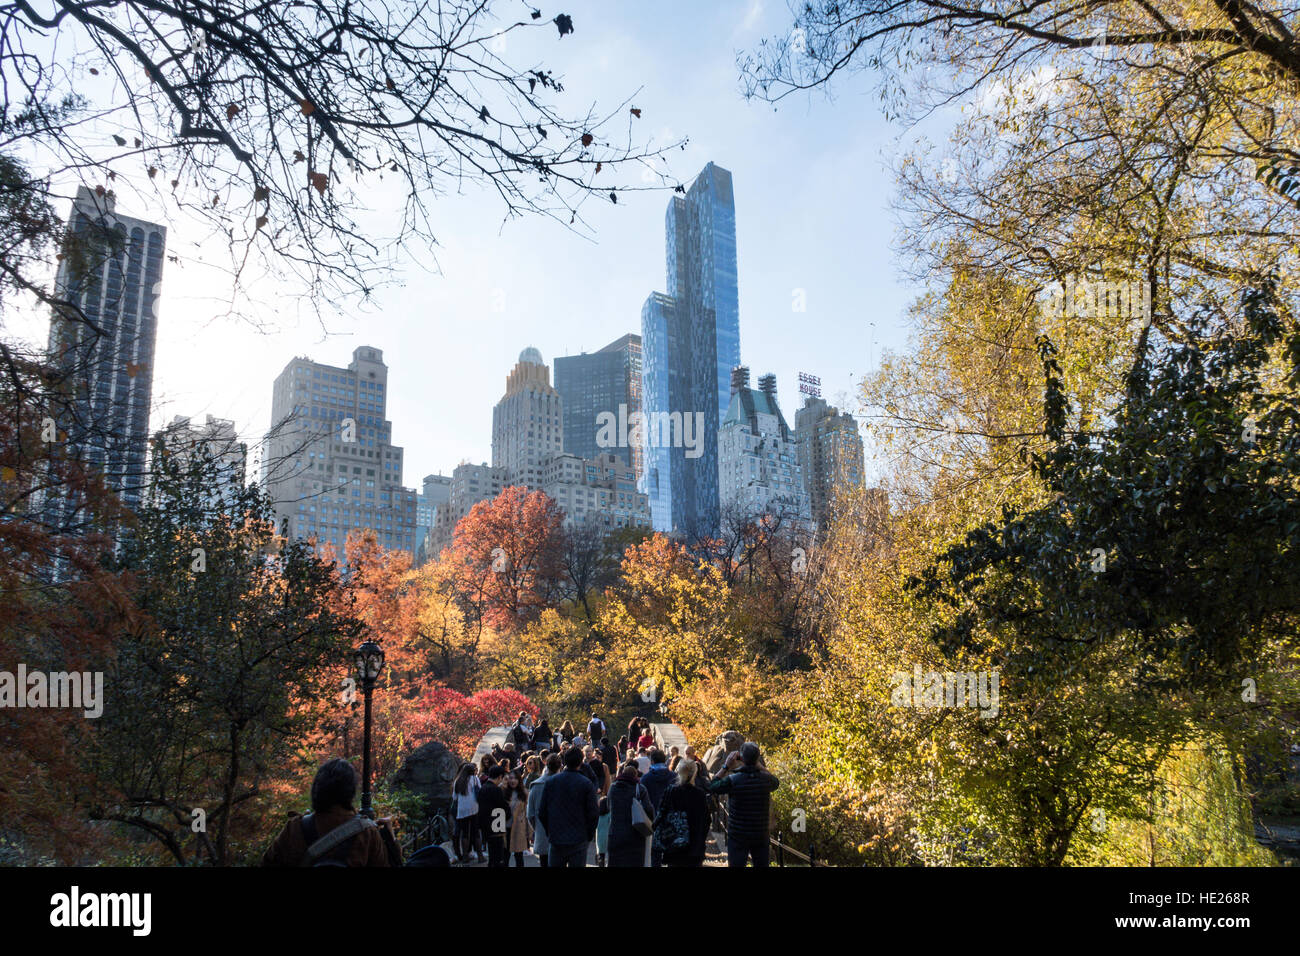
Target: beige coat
[520,839]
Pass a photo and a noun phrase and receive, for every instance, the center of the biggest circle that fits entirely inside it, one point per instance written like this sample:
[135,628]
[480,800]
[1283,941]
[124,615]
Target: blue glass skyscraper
[691,342]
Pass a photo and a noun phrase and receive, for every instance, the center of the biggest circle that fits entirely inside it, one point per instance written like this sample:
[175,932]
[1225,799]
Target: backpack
[672,832]
[672,827]
[332,848]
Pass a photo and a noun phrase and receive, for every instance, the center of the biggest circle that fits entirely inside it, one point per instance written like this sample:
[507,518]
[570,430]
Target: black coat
[543,739]
[567,808]
[626,846]
[692,801]
[749,801]
[491,798]
[609,754]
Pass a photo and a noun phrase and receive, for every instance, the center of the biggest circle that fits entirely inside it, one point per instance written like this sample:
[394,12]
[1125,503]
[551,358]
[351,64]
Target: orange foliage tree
[507,554]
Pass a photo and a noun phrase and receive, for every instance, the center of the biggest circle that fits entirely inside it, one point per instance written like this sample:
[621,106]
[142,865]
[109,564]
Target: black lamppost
[370,663]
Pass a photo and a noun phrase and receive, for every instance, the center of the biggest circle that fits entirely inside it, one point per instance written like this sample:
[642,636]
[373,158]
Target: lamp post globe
[370,664]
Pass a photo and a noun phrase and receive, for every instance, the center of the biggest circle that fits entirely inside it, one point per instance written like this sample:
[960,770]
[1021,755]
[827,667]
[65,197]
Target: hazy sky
[812,193]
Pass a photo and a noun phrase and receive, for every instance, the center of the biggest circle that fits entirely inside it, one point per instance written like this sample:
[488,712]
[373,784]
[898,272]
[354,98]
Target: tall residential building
[218,442]
[830,451]
[470,484]
[329,462]
[437,492]
[110,275]
[758,455]
[526,423]
[599,491]
[691,342]
[604,383]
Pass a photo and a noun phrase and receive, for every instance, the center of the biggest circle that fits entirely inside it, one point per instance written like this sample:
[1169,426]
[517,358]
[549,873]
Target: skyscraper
[691,342]
[758,457]
[329,462]
[224,457]
[830,451]
[437,493]
[526,424]
[596,384]
[109,276]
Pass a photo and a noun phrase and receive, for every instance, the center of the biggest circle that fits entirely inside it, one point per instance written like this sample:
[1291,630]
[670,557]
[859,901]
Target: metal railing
[436,831]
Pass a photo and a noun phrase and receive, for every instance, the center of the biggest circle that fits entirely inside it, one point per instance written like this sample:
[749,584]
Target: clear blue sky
[812,214]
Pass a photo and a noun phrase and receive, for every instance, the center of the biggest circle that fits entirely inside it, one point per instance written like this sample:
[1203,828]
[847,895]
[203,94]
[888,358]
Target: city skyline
[677,220]
[498,287]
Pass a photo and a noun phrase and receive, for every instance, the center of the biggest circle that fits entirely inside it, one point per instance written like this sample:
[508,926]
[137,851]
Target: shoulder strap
[337,836]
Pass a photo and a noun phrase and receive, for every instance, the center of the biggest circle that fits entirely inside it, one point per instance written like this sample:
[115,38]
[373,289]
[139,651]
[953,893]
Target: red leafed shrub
[439,713]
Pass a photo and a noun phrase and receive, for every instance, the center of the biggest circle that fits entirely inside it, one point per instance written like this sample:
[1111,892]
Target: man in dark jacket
[568,811]
[748,789]
[609,754]
[494,817]
[657,780]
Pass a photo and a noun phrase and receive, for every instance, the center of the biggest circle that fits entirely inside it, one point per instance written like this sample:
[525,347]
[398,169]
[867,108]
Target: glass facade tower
[590,385]
[691,342]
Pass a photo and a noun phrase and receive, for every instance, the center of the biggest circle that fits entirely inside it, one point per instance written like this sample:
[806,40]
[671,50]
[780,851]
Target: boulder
[429,771]
[727,742]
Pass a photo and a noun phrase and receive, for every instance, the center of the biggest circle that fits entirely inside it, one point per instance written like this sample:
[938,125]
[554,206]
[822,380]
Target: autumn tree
[224,673]
[507,554]
[439,637]
[667,620]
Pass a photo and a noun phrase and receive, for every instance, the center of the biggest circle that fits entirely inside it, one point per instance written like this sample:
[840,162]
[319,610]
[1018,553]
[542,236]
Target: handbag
[640,819]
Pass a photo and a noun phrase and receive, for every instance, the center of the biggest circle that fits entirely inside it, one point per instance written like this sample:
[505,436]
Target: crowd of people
[552,794]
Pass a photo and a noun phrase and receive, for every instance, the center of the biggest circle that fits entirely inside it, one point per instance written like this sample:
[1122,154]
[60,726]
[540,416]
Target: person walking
[627,846]
[520,839]
[656,781]
[464,800]
[568,810]
[541,844]
[684,810]
[609,754]
[598,769]
[602,831]
[543,739]
[634,731]
[532,770]
[748,789]
[494,817]
[658,778]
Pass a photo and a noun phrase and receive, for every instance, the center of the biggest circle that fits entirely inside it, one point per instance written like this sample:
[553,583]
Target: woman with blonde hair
[682,824]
